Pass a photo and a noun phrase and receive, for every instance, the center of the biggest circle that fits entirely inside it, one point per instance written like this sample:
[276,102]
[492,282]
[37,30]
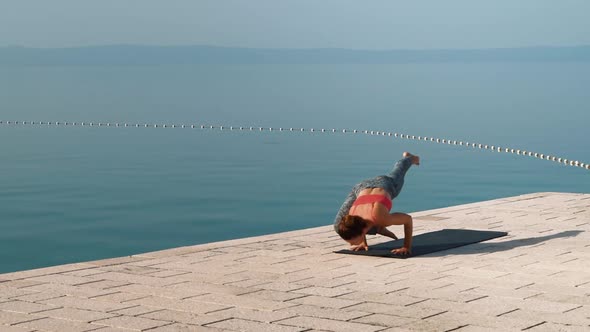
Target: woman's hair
[351,226]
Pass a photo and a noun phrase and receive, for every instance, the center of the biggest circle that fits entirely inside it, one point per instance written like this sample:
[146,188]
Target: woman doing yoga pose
[366,209]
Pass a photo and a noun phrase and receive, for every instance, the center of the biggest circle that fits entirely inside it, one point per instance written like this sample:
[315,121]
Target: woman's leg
[400,168]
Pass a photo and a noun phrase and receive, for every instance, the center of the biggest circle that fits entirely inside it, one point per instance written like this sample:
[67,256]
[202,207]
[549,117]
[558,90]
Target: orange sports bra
[365,199]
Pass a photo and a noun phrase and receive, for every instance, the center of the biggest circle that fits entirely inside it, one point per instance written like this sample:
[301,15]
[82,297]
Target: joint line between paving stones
[529,264]
[468,289]
[150,329]
[479,298]
[362,316]
[530,327]
[398,290]
[535,295]
[444,286]
[527,285]
[420,301]
[571,260]
[572,309]
[119,309]
[338,296]
[28,321]
[145,313]
[440,313]
[507,312]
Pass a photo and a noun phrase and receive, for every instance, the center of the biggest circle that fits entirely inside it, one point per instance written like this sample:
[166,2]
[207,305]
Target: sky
[358,24]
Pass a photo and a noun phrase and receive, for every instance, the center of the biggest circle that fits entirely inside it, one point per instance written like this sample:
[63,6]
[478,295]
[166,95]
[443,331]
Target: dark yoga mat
[429,242]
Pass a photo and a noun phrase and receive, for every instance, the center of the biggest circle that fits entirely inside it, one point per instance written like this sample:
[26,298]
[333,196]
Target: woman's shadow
[483,247]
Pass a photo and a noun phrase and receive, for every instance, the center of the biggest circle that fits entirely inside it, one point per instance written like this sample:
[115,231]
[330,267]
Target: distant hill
[155,55]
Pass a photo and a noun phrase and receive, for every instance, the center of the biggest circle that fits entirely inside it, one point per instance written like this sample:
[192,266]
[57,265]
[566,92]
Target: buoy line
[491,148]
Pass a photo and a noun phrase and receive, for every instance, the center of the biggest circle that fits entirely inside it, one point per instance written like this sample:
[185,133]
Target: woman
[366,209]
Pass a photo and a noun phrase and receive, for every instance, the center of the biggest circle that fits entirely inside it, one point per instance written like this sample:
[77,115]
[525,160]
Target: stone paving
[537,278]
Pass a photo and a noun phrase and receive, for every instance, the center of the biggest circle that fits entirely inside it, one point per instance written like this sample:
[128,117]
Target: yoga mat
[428,242]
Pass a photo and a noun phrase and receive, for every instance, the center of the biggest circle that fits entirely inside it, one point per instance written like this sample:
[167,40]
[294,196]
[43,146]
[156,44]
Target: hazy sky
[359,24]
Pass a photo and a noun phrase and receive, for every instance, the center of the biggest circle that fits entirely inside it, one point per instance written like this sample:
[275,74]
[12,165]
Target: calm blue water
[72,194]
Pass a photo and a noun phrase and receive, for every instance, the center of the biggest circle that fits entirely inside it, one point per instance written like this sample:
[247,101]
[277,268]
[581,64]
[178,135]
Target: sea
[72,193]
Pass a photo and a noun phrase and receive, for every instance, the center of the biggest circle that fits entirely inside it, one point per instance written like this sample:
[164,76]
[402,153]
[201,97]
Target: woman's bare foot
[415,159]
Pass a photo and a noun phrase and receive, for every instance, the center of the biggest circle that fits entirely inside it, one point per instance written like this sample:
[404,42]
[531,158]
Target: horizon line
[293,48]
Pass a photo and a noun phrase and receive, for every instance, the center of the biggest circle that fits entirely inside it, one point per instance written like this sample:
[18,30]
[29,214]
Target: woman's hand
[403,251]
[362,246]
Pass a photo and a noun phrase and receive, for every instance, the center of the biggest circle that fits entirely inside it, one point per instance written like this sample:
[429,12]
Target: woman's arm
[386,232]
[399,219]
[362,246]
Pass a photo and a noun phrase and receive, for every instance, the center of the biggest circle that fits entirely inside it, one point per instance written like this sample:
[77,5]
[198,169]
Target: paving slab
[536,278]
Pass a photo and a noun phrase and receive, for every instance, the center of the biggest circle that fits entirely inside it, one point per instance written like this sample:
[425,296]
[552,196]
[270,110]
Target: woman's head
[351,227]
